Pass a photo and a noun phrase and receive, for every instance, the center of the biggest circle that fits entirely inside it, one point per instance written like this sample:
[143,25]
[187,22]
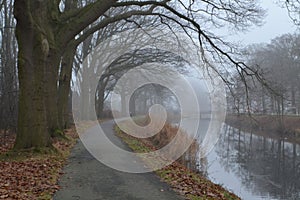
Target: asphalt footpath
[85,178]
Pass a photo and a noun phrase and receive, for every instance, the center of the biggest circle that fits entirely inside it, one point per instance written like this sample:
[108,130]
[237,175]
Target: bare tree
[293,7]
[46,30]
[279,62]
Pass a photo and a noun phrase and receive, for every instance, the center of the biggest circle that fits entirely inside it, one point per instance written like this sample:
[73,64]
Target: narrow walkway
[85,178]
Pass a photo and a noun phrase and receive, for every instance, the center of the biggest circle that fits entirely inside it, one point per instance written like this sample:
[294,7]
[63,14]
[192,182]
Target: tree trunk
[64,87]
[85,94]
[100,101]
[123,101]
[263,101]
[51,91]
[293,95]
[33,51]
[132,108]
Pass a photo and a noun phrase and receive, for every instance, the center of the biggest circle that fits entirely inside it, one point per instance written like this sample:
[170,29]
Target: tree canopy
[49,33]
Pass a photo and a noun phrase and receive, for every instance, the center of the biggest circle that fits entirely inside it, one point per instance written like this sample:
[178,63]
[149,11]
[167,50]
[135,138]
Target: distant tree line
[279,63]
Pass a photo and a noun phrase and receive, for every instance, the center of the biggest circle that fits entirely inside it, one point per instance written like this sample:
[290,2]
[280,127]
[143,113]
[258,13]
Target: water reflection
[255,167]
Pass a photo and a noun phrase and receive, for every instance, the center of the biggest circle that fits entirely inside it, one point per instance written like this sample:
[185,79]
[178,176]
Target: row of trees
[8,67]
[53,38]
[279,62]
[107,78]
[48,33]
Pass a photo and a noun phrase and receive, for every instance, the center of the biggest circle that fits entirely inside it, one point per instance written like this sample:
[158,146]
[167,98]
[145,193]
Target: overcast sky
[277,22]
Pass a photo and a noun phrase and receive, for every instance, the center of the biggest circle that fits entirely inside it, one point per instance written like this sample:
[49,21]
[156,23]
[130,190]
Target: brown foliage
[183,180]
[32,176]
[190,184]
[7,140]
[172,133]
[167,134]
[268,126]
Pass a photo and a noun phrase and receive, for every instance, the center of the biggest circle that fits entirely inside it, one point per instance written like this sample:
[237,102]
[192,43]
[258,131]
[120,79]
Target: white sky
[277,22]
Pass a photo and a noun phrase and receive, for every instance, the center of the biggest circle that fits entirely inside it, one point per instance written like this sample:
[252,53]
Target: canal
[254,167]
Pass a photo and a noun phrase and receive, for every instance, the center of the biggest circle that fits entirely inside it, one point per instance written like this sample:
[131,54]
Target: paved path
[85,178]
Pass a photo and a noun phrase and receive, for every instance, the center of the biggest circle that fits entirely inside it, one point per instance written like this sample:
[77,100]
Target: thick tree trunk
[51,91]
[33,50]
[64,87]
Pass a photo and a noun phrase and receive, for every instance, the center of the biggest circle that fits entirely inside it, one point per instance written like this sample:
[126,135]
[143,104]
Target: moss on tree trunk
[32,60]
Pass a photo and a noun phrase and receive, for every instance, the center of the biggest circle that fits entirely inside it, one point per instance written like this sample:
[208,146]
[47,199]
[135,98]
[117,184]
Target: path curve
[85,178]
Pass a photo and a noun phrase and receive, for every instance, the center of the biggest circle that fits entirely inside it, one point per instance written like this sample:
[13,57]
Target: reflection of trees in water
[265,166]
[194,160]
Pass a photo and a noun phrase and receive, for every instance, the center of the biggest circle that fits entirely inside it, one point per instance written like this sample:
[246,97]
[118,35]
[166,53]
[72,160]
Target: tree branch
[111,20]
[80,18]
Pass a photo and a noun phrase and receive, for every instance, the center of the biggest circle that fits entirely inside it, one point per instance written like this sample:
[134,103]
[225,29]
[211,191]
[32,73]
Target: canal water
[254,167]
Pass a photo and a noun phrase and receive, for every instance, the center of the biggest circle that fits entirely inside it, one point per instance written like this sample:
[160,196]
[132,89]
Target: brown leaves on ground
[33,176]
[189,184]
[29,179]
[192,185]
[7,140]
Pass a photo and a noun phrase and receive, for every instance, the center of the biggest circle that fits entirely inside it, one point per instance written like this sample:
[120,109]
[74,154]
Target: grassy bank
[187,183]
[32,174]
[272,126]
